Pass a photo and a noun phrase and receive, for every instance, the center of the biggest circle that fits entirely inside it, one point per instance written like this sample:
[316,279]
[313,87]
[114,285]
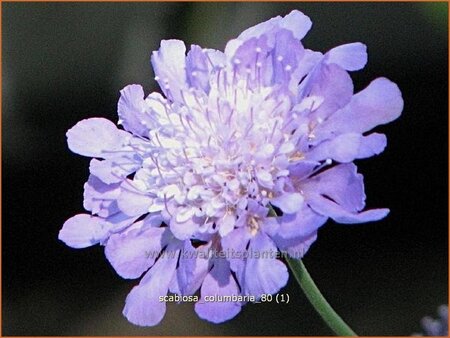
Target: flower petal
[82,231]
[296,22]
[352,56]
[341,215]
[133,111]
[347,147]
[286,56]
[296,247]
[114,170]
[133,252]
[341,184]
[339,193]
[197,68]
[330,82]
[193,266]
[381,102]
[264,274]
[218,282]
[372,144]
[133,202]
[117,223]
[143,306]
[96,137]
[235,244]
[302,168]
[288,202]
[300,224]
[100,198]
[183,230]
[169,64]
[226,224]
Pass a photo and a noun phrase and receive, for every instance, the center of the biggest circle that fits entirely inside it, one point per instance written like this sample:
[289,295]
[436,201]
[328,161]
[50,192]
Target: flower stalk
[318,301]
[315,297]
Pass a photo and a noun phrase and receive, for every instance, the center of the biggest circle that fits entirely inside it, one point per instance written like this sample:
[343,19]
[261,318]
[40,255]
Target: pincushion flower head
[265,126]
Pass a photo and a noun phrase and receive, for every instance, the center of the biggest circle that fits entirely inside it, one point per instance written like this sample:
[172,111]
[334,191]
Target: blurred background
[63,62]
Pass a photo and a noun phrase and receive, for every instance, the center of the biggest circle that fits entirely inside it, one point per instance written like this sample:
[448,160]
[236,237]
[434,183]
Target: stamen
[327,162]
[166,206]
[273,130]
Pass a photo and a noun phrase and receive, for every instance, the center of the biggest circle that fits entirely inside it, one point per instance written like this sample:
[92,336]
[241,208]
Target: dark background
[63,62]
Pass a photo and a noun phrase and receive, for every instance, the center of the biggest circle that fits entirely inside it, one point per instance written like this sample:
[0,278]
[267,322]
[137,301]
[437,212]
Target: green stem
[318,301]
[315,297]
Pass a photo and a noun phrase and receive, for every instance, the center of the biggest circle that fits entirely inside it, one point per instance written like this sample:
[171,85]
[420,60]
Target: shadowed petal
[198,68]
[193,266]
[296,247]
[143,306]
[218,282]
[339,193]
[235,244]
[341,183]
[264,274]
[300,224]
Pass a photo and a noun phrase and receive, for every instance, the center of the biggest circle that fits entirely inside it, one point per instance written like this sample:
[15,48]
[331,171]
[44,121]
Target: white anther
[156,78]
[288,68]
[280,58]
[237,61]
[194,73]
[319,120]
[258,49]
[329,161]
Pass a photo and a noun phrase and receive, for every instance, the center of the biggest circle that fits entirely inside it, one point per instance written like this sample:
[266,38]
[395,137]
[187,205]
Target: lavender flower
[435,327]
[236,133]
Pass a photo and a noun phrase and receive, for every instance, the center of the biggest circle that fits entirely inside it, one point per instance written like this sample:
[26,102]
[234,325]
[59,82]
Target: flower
[435,327]
[265,125]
